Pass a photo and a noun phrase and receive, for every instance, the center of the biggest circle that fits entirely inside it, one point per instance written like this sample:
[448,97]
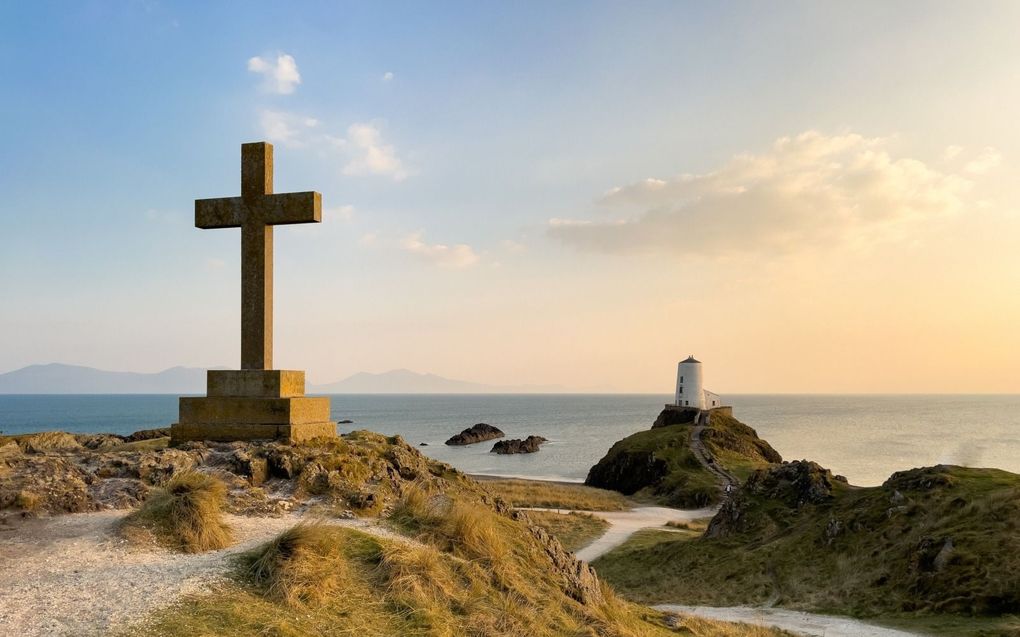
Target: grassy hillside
[941,541]
[659,464]
[461,568]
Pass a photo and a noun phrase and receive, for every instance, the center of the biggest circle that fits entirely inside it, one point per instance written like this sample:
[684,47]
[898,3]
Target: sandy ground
[72,575]
[806,624]
[623,524]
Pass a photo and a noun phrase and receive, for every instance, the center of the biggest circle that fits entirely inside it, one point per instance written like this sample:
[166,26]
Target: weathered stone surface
[224,432]
[255,383]
[477,433]
[256,411]
[531,444]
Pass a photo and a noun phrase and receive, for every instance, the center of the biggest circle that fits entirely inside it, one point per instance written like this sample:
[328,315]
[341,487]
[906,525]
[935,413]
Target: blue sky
[464,152]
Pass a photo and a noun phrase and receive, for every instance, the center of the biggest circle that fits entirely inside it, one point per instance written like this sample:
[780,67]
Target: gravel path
[71,574]
[807,624]
[726,480]
[623,524]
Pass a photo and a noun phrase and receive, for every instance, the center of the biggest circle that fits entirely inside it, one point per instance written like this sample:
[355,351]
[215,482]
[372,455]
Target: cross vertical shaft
[256,296]
[256,260]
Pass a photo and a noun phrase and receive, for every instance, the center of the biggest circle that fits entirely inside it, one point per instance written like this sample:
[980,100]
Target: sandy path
[623,524]
[807,624]
[71,574]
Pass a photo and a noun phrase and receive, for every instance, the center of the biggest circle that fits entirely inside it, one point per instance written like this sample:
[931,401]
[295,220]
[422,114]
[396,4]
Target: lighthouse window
[681,379]
[681,389]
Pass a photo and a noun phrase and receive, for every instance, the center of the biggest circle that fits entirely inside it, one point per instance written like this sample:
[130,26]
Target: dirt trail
[623,524]
[807,624]
[72,575]
[727,480]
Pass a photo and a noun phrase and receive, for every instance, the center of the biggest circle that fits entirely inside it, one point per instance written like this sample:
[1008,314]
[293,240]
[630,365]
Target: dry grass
[304,565]
[466,570]
[574,530]
[694,526]
[556,495]
[28,501]
[186,515]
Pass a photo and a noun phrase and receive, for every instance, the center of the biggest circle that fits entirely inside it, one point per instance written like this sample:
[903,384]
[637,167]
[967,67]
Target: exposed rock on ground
[357,474]
[531,444]
[478,433]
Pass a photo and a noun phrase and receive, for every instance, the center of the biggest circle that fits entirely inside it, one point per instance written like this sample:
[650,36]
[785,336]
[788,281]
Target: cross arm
[292,207]
[225,212]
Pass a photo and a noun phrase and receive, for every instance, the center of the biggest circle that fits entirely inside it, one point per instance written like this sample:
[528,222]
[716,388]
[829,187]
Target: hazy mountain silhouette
[57,378]
[404,381]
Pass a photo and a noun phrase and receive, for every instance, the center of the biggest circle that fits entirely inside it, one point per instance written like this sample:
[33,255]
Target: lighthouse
[690,389]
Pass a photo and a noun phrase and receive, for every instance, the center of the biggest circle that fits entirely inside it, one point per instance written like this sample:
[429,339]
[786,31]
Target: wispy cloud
[456,256]
[806,190]
[342,213]
[280,76]
[285,128]
[988,159]
[387,76]
[368,153]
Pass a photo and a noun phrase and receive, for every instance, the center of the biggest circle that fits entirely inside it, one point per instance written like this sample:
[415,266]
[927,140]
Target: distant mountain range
[57,378]
[404,381]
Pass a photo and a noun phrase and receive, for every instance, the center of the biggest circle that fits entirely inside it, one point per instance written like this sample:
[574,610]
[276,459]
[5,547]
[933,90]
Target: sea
[863,437]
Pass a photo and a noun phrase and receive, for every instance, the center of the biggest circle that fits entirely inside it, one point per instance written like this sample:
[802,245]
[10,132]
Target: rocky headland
[930,547]
[661,463]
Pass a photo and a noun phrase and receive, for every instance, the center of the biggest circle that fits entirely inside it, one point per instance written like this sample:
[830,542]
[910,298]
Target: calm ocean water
[862,437]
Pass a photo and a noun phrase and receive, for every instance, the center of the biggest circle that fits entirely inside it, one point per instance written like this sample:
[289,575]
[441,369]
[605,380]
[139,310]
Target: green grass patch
[574,530]
[556,495]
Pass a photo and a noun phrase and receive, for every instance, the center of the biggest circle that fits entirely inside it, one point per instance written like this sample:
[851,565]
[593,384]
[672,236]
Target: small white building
[690,390]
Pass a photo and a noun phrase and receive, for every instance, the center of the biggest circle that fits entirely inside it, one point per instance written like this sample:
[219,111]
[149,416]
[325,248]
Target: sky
[809,197]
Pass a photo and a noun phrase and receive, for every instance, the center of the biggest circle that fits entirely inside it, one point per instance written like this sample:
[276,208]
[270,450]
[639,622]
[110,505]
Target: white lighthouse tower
[690,390]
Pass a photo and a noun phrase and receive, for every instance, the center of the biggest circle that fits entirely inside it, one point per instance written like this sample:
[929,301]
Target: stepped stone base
[253,405]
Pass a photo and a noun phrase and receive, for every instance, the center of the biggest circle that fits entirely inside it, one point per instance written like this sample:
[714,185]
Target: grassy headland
[928,547]
[659,463]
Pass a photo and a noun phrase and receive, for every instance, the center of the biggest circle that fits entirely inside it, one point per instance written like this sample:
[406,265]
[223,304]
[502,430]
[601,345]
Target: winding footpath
[623,524]
[806,624]
[73,576]
[727,480]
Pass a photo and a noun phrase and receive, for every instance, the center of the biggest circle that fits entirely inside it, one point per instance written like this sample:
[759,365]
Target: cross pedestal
[256,401]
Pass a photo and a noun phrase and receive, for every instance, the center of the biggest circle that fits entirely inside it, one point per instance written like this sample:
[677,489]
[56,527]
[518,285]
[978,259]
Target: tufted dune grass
[462,569]
[186,514]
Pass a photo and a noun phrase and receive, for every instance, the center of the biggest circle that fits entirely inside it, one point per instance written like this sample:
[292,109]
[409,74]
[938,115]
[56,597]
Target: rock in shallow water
[478,433]
[531,444]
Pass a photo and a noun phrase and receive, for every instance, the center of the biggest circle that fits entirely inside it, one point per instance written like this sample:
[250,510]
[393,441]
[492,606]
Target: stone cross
[255,212]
